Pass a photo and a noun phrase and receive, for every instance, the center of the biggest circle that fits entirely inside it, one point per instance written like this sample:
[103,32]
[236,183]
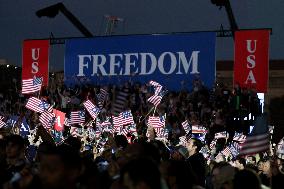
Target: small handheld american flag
[239,137]
[157,98]
[223,134]
[101,97]
[47,119]
[197,129]
[124,118]
[37,105]
[2,123]
[157,122]
[31,85]
[186,126]
[77,117]
[92,109]
[157,86]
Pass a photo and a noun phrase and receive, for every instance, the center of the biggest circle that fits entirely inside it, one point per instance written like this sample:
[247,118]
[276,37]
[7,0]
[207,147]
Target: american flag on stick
[157,98]
[239,137]
[235,149]
[197,129]
[37,105]
[77,117]
[31,85]
[47,119]
[157,86]
[2,123]
[223,134]
[157,122]
[186,126]
[124,118]
[101,97]
[92,109]
[258,140]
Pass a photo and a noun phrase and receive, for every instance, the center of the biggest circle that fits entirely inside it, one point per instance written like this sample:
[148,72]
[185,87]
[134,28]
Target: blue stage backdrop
[172,60]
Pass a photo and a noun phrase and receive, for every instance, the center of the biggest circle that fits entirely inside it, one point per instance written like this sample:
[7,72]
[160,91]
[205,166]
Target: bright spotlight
[8,65]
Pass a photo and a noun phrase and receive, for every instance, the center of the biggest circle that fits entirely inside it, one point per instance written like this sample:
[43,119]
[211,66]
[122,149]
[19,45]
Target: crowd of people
[143,161]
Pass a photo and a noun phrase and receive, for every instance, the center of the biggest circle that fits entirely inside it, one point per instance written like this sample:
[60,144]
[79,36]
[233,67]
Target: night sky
[19,22]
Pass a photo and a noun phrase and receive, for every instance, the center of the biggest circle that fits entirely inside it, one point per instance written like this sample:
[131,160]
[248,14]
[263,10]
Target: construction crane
[53,10]
[227,5]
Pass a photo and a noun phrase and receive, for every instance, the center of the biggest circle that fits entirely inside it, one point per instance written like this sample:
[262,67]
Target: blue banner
[172,60]
[24,129]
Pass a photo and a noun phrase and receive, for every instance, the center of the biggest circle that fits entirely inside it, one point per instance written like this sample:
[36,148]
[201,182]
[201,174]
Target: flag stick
[147,114]
[154,111]
[38,94]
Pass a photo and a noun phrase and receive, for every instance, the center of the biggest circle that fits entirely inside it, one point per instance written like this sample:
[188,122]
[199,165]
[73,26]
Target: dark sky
[19,22]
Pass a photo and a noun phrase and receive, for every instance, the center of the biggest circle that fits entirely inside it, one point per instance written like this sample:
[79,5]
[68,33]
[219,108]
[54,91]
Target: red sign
[35,60]
[251,59]
[59,120]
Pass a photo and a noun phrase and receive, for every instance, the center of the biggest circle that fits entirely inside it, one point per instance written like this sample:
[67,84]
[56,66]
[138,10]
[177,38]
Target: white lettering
[142,63]
[23,128]
[173,63]
[82,63]
[193,59]
[58,121]
[129,63]
[249,46]
[251,61]
[153,63]
[250,78]
[113,63]
[34,67]
[35,56]
[99,65]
